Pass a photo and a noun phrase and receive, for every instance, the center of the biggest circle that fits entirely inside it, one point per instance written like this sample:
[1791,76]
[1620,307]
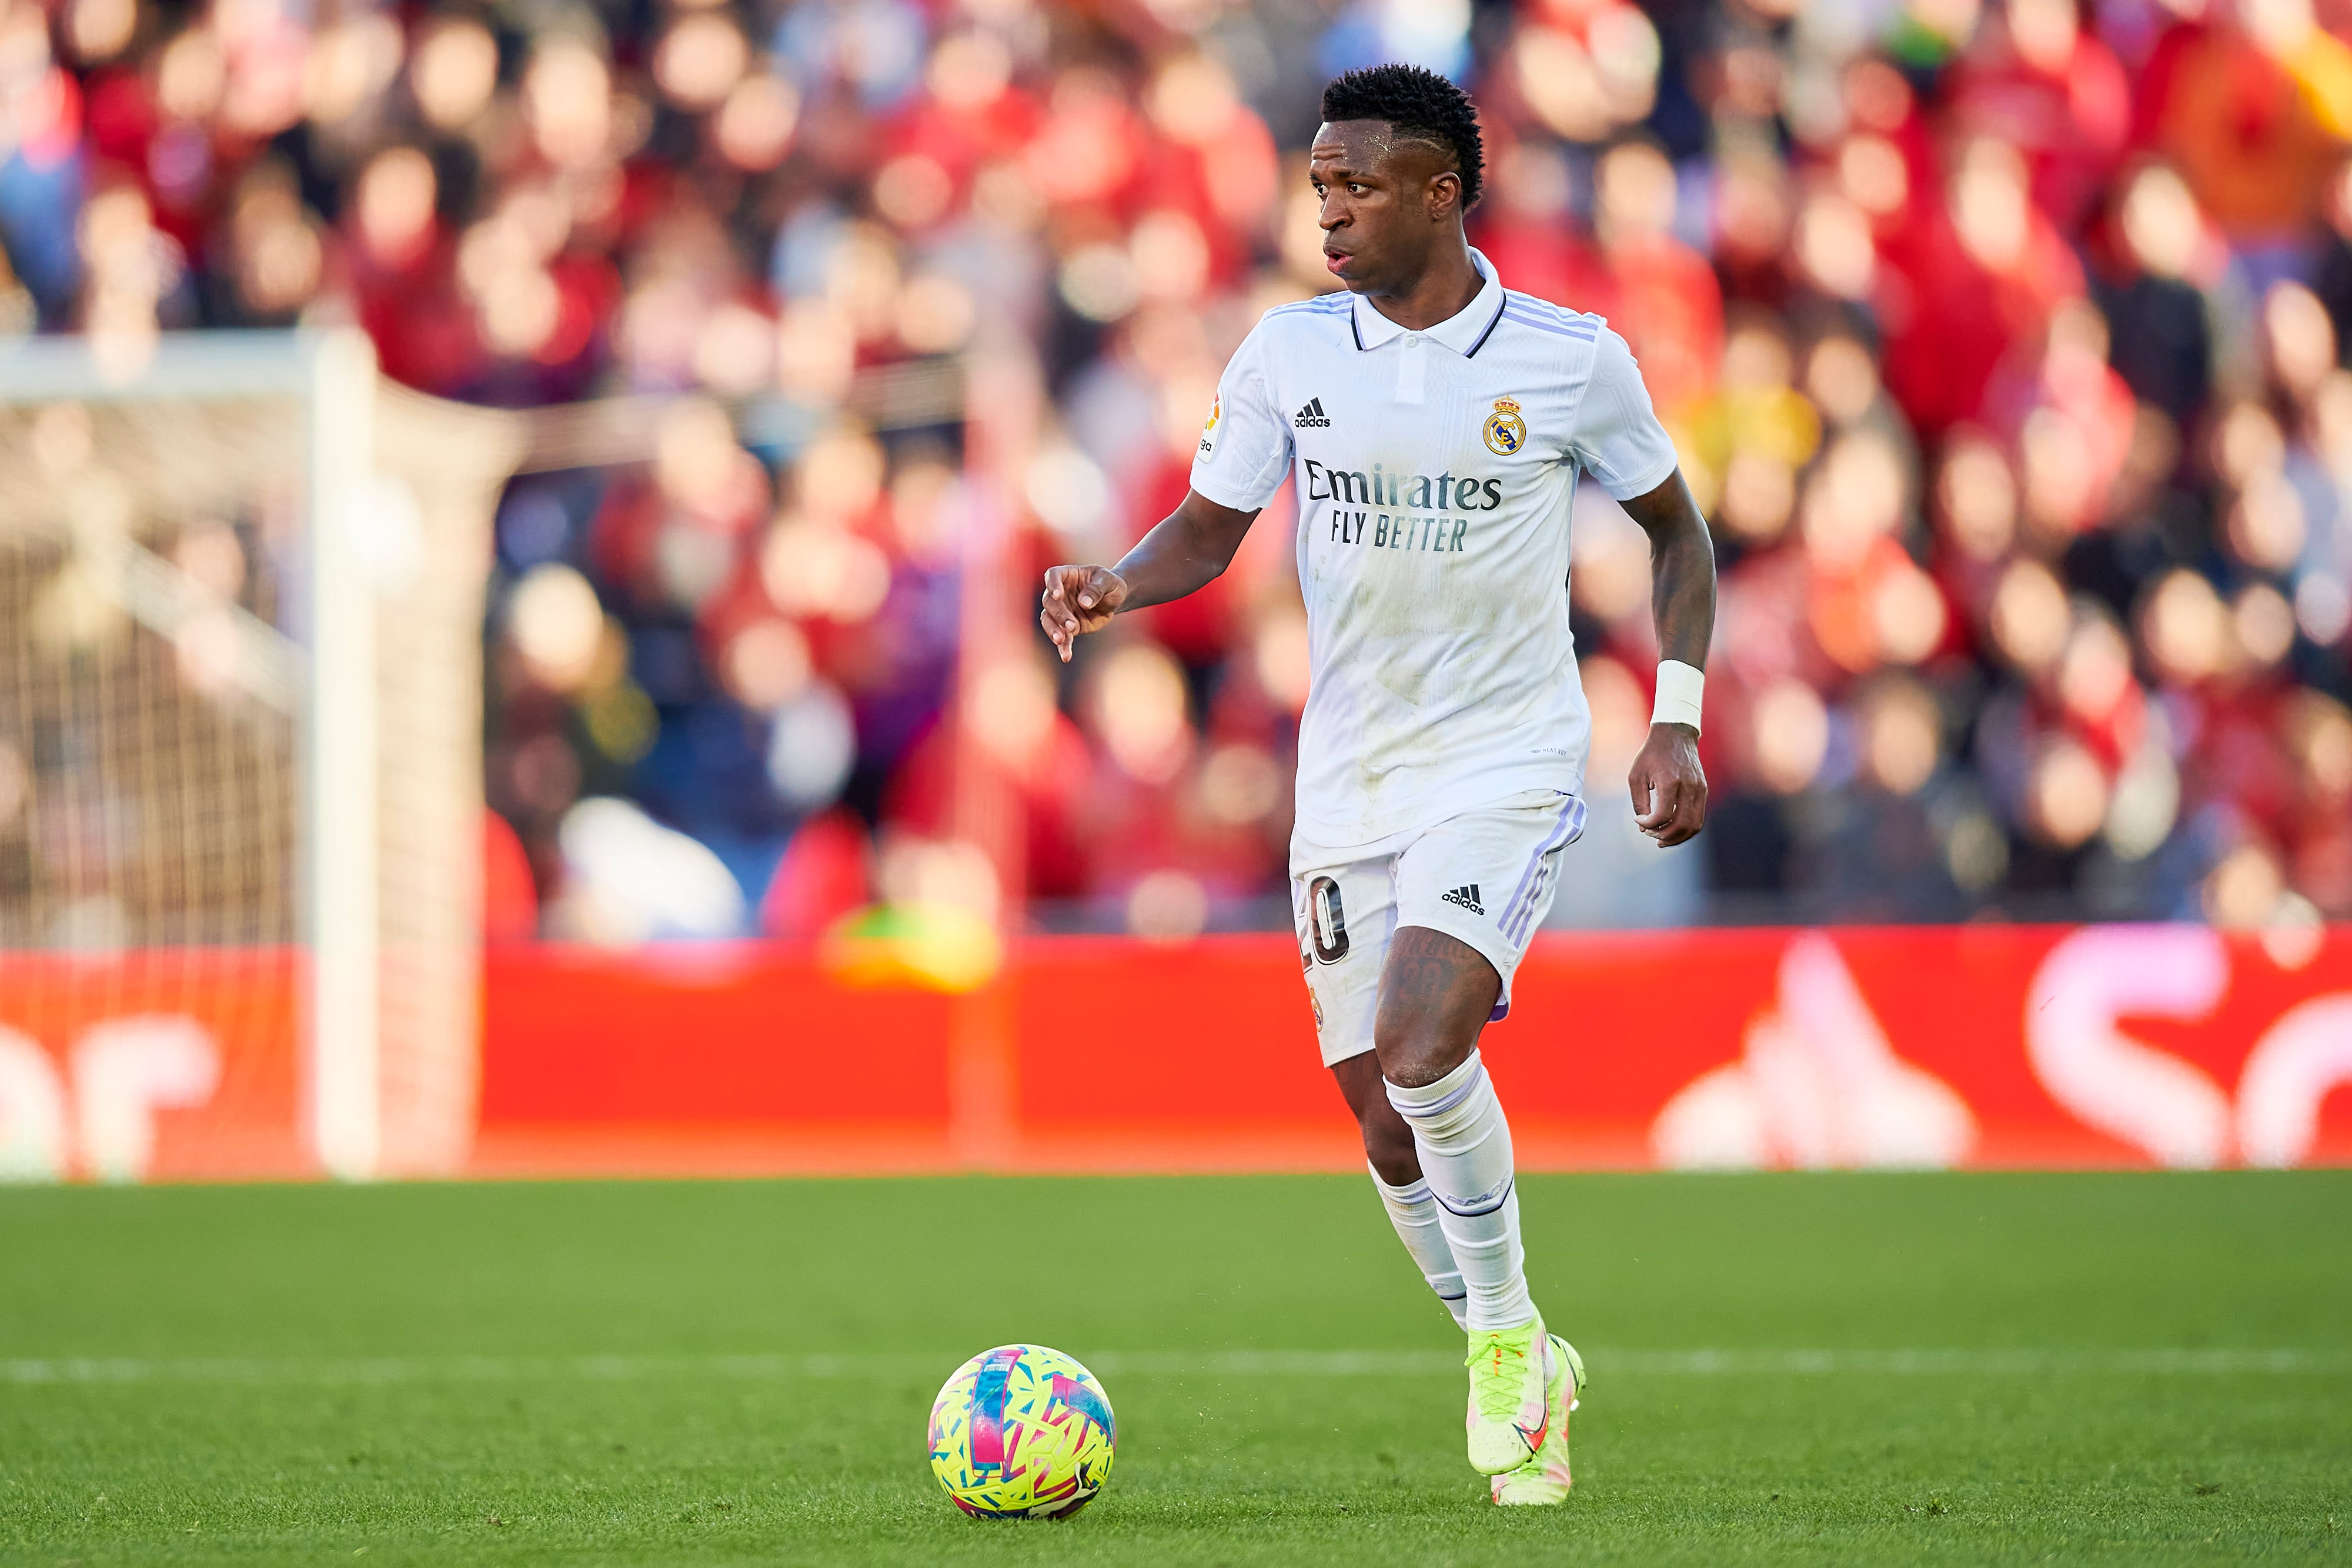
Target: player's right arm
[1188,550]
[1244,457]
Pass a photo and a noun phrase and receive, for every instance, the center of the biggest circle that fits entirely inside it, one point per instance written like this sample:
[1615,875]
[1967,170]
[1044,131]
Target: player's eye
[1354,189]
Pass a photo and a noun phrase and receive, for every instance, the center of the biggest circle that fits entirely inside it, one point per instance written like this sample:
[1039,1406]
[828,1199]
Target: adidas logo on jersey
[1466,896]
[1312,416]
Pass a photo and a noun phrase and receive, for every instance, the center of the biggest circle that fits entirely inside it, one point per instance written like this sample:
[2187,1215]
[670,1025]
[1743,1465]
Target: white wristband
[1680,687]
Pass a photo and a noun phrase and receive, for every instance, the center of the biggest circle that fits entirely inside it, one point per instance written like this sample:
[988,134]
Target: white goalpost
[241,585]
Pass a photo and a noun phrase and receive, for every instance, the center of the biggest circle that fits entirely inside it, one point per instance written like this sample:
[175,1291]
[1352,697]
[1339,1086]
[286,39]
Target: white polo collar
[1462,333]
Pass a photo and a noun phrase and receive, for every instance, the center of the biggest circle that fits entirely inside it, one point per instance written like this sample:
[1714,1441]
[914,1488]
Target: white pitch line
[1747,1363]
[378,1370]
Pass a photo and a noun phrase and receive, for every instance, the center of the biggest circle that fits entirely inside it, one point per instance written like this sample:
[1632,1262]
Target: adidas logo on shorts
[1466,896]
[1312,416]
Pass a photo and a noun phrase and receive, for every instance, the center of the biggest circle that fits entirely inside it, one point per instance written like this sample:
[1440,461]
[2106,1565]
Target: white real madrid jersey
[1434,472]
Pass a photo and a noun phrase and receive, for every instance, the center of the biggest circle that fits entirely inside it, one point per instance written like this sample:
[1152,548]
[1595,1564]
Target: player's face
[1386,204]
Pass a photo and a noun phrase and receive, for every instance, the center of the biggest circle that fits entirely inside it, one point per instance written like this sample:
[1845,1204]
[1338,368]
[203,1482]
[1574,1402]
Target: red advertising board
[167,1063]
[1978,1046]
[734,1058]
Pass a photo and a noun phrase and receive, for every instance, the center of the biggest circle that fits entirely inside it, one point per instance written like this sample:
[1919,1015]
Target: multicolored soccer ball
[1021,1432]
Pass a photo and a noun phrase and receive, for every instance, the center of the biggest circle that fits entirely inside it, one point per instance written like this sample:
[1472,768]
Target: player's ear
[1444,196]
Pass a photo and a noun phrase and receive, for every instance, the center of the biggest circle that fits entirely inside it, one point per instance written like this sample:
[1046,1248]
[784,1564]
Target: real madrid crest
[1506,431]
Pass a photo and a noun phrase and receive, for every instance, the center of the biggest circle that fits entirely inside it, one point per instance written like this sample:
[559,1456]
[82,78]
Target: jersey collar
[1463,332]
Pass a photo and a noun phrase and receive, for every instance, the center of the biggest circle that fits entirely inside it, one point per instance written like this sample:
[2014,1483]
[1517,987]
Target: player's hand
[1078,599]
[1669,786]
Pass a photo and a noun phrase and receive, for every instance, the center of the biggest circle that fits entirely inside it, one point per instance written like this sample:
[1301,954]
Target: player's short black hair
[1416,103]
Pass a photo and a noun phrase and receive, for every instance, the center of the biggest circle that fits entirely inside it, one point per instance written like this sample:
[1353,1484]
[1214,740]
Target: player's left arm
[1669,786]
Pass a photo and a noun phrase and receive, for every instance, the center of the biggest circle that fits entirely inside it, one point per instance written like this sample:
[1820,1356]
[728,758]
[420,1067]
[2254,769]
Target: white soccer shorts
[1485,878]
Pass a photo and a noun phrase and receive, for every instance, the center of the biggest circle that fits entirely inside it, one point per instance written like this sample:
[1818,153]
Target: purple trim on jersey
[1489,332]
[1325,304]
[1543,309]
[1557,328]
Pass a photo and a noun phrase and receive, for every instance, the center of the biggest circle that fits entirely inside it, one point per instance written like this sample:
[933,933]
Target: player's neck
[1443,291]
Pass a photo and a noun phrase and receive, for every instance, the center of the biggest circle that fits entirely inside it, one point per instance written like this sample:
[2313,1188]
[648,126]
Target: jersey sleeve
[1616,434]
[1244,451]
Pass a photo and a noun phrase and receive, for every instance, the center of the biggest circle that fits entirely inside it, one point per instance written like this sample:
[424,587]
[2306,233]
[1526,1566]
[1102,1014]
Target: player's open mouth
[1337,260]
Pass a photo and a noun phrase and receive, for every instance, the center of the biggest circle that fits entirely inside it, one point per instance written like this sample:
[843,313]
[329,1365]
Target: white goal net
[240,761]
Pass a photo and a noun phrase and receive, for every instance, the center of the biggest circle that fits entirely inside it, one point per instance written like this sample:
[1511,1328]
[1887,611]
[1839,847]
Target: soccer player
[1434,423]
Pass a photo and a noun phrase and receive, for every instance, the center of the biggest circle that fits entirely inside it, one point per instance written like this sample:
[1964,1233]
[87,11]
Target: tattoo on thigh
[1429,970]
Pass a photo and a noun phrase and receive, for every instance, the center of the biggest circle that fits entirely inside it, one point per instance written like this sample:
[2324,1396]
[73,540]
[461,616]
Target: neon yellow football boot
[1544,1480]
[1511,1374]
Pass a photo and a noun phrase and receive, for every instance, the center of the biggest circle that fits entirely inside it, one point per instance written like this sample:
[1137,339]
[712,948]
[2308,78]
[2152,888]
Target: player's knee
[1436,992]
[1414,1050]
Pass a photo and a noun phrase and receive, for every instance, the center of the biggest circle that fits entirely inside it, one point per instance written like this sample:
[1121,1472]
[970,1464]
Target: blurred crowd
[2003,344]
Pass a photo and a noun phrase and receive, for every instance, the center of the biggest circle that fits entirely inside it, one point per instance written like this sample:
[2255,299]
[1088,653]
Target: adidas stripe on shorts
[1484,877]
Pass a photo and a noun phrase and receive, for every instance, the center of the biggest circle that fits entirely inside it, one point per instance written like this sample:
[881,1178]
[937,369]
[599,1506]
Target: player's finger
[1057,626]
[1665,800]
[1054,607]
[1654,802]
[1690,815]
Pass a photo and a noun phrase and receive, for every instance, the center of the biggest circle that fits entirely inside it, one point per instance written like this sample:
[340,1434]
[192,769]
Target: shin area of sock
[1413,1211]
[1464,1145]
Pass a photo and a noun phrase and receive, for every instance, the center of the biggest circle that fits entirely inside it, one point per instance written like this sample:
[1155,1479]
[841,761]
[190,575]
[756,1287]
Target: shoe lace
[1498,1370]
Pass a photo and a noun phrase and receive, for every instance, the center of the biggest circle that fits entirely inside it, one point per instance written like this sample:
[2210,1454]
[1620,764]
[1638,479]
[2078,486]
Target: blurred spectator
[2037,79]
[2001,344]
[2253,102]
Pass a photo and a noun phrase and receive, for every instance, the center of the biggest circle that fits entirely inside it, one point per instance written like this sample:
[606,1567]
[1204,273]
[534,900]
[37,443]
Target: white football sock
[1414,1212]
[1465,1156]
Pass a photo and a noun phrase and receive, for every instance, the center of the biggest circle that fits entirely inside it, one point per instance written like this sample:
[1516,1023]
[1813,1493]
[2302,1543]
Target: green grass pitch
[1877,1369]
